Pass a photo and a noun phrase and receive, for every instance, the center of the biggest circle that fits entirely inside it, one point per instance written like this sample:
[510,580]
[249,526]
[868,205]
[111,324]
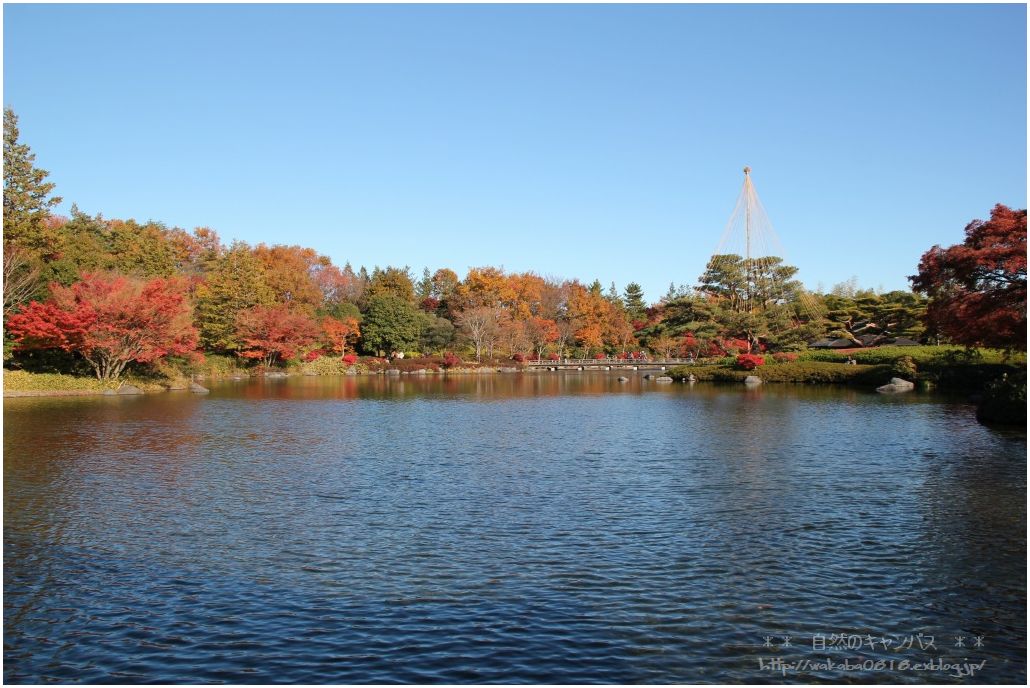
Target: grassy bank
[808,372]
[57,383]
[944,367]
[947,367]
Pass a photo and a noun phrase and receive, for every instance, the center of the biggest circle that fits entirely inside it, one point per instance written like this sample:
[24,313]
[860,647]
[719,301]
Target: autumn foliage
[110,321]
[977,289]
[749,361]
[340,335]
[274,333]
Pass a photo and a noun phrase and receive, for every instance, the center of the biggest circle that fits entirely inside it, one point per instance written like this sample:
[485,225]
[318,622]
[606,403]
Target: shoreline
[729,378]
[1004,408]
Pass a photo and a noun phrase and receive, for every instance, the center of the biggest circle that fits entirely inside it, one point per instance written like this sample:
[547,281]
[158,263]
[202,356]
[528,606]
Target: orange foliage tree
[290,272]
[541,332]
[340,335]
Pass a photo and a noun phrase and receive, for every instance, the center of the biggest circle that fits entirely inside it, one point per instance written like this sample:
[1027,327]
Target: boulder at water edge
[896,385]
[124,389]
[663,378]
[197,389]
[622,378]
[752,380]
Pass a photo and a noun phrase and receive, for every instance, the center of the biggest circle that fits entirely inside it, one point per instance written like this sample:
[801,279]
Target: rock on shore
[896,385]
[124,389]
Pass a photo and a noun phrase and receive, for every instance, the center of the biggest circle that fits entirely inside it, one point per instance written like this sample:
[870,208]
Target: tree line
[116,292]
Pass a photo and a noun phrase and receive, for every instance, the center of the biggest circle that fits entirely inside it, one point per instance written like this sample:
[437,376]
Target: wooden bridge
[606,364]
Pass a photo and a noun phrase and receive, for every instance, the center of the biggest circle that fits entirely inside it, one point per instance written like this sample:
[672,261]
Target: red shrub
[450,360]
[749,361]
[552,357]
[350,359]
[599,357]
[784,357]
[312,355]
[733,346]
[518,358]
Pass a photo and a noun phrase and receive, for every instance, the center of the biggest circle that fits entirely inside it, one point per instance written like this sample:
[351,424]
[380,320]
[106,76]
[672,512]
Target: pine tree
[26,191]
[424,287]
[613,295]
[633,298]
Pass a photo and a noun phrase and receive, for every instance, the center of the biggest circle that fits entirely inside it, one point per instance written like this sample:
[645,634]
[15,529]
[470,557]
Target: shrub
[552,357]
[312,355]
[350,359]
[450,360]
[1004,400]
[749,361]
[599,357]
[784,357]
[324,365]
[518,358]
[733,346]
[410,365]
[904,367]
[217,365]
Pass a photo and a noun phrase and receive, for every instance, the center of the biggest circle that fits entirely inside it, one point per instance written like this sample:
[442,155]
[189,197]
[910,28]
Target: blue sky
[575,141]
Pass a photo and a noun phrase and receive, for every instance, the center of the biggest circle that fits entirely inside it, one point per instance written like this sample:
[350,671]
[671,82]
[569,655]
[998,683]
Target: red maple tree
[977,289]
[110,321]
[272,333]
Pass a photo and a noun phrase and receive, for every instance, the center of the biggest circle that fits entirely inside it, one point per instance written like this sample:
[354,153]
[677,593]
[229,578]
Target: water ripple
[517,529]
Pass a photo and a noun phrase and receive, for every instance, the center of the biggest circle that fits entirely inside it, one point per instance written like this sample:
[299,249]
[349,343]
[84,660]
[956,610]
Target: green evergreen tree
[633,298]
[613,295]
[236,283]
[436,333]
[83,245]
[424,288]
[27,200]
[390,324]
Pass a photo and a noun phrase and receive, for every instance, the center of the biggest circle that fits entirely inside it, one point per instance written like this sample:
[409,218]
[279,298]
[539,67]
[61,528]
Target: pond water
[543,528]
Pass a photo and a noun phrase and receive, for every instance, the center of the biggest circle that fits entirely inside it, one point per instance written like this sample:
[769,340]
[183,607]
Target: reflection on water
[515,528]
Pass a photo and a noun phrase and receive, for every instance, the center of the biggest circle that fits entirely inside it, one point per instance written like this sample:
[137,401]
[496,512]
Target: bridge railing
[610,361]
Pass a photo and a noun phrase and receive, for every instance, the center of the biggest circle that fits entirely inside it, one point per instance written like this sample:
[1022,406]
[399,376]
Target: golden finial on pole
[747,171]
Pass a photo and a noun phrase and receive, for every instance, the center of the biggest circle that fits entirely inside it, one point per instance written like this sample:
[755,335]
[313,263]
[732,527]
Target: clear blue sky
[575,141]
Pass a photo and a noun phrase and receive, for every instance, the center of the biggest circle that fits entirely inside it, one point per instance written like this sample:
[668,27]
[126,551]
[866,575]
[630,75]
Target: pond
[540,528]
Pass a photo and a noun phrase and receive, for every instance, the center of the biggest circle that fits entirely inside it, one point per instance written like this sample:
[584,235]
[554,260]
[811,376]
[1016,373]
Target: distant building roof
[870,339]
[832,344]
